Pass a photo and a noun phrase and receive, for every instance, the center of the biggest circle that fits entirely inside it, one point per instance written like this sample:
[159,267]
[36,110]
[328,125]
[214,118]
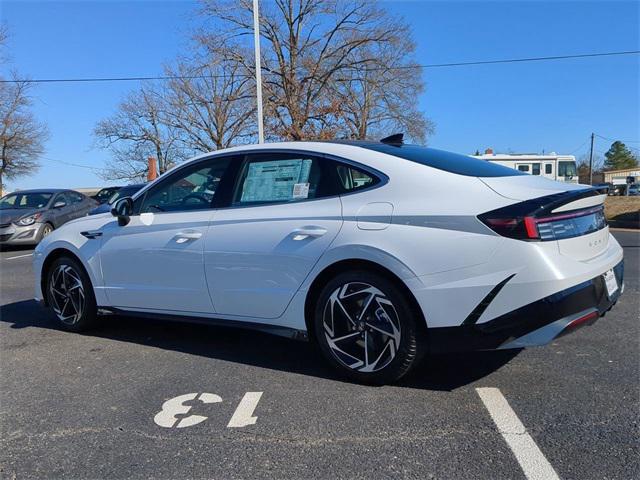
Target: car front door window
[61,197]
[187,190]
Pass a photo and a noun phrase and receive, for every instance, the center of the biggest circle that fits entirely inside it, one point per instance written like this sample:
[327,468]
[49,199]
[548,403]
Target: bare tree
[306,46]
[212,103]
[377,96]
[138,130]
[22,137]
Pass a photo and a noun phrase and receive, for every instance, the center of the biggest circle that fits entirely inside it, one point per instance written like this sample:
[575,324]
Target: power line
[72,164]
[580,147]
[403,67]
[616,140]
[528,59]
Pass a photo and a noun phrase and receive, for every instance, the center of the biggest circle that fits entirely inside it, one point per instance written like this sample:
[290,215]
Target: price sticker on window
[301,190]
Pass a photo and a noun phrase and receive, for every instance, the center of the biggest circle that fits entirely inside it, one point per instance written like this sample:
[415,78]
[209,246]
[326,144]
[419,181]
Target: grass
[623,212]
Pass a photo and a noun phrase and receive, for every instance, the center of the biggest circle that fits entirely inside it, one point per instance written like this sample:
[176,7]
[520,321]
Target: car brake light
[516,221]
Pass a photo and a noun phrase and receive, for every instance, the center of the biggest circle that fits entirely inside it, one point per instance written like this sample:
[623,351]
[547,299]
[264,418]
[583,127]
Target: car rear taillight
[535,220]
[509,227]
[571,224]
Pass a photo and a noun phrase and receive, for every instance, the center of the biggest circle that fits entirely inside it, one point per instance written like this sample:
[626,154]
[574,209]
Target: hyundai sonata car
[27,216]
[379,252]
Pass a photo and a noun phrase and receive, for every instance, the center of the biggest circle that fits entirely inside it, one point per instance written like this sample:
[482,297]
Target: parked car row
[27,216]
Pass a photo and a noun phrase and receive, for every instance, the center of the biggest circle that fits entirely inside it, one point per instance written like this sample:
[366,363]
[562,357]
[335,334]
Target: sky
[518,107]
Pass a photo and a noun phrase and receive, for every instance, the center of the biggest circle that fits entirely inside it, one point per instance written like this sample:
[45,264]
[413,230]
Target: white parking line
[243,416]
[531,460]
[19,256]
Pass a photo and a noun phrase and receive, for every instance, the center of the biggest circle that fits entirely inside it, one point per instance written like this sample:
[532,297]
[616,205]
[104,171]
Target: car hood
[102,208]
[526,187]
[12,214]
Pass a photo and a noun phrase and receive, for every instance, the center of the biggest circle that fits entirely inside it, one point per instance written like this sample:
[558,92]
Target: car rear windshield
[447,161]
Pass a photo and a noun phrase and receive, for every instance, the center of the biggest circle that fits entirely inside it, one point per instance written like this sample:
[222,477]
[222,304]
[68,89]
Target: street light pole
[256,43]
[591,160]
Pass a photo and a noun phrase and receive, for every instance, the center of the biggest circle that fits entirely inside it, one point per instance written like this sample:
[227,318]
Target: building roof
[632,169]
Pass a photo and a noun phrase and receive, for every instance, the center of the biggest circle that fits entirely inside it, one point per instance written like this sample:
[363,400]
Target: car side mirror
[60,204]
[123,210]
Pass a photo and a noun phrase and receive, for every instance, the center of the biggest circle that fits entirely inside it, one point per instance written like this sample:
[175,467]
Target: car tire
[47,228]
[70,295]
[367,329]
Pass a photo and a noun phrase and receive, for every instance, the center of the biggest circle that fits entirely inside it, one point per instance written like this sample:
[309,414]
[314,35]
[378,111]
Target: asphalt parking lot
[93,406]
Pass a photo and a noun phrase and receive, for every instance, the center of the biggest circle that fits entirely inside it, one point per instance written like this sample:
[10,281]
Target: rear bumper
[537,323]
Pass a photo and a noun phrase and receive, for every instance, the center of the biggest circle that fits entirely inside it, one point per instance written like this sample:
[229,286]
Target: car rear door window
[273,178]
[292,177]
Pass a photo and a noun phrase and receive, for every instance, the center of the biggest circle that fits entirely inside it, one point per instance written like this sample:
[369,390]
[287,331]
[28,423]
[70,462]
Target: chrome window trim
[382,177]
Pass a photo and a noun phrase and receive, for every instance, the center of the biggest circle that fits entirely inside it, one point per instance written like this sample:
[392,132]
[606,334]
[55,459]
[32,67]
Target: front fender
[70,239]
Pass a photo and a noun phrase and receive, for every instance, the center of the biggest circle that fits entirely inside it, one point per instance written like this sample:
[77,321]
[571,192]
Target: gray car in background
[27,216]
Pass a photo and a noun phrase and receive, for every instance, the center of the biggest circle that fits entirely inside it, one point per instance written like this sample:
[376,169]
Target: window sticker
[301,190]
[275,180]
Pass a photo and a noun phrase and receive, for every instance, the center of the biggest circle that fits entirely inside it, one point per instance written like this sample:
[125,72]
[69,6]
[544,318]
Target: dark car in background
[122,192]
[27,216]
[105,194]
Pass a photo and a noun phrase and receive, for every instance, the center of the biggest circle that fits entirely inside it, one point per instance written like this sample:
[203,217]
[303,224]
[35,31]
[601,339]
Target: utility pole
[591,160]
[256,44]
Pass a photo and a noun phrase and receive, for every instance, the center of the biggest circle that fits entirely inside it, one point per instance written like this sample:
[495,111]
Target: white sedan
[378,251]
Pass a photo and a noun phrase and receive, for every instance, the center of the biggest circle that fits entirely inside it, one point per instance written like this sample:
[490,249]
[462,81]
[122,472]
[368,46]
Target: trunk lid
[526,187]
[572,216]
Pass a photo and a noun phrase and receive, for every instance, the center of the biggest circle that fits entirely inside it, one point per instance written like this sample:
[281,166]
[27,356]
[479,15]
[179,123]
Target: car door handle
[182,237]
[306,232]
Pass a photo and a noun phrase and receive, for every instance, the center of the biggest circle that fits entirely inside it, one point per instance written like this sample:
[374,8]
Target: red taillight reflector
[580,320]
[531,227]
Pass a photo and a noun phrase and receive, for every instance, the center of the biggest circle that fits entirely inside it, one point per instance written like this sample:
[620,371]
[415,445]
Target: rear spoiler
[563,201]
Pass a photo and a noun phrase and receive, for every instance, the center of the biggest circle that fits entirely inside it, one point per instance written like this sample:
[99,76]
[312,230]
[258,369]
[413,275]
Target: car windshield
[25,200]
[105,193]
[123,192]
